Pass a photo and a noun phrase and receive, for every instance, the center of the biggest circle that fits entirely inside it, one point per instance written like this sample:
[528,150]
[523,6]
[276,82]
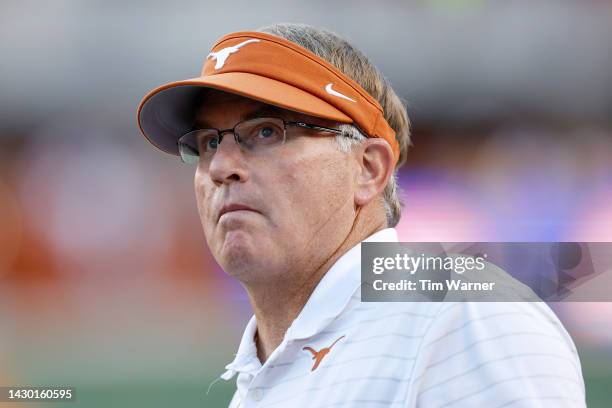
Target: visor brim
[168,112]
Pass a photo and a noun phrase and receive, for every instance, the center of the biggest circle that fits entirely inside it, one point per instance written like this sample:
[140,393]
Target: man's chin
[237,251]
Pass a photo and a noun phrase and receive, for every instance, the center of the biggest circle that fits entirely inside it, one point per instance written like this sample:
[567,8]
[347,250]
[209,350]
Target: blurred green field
[597,371]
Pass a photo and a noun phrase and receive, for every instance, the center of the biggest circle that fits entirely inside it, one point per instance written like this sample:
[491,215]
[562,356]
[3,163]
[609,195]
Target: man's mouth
[234,207]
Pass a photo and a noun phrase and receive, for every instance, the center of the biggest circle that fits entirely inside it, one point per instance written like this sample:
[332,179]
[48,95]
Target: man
[297,138]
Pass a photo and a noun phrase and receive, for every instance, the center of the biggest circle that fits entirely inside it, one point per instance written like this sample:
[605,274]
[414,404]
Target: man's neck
[276,307]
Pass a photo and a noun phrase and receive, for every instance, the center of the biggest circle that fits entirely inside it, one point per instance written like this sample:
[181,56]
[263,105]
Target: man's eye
[266,132]
[209,143]
[212,143]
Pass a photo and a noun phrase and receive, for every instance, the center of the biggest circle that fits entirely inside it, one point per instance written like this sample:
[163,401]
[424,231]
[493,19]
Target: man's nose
[227,164]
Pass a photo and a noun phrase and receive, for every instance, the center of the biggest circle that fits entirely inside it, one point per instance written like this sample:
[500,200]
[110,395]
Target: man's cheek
[200,202]
[205,208]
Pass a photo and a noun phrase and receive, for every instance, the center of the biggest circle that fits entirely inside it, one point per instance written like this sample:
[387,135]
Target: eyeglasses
[252,135]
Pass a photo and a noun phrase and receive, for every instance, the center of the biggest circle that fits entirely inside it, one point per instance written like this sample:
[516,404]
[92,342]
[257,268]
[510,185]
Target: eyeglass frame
[221,132]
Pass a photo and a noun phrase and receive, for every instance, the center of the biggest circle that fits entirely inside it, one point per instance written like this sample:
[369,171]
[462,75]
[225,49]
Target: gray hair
[356,65]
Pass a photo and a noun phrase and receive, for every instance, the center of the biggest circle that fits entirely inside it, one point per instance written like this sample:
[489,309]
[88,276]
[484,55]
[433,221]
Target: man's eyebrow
[263,111]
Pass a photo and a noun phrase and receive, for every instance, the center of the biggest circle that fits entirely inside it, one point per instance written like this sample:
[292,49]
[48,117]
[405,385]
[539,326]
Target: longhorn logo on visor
[222,55]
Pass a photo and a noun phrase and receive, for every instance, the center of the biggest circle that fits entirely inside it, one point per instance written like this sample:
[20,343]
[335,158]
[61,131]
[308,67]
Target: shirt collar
[329,298]
[246,359]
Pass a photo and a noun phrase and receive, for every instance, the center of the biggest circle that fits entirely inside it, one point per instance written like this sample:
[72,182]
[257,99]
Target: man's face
[282,211]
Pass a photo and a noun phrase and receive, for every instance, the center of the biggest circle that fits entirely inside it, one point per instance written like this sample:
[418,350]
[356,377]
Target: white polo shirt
[464,354]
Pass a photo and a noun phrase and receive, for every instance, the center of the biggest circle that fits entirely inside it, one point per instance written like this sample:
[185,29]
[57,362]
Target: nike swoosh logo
[329,90]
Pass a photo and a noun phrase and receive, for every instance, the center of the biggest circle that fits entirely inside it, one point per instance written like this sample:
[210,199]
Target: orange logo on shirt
[318,355]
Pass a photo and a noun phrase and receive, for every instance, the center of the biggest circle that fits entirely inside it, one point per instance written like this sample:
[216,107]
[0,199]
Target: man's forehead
[213,103]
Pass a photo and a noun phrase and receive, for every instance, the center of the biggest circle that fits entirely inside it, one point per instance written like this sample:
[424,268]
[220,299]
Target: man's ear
[376,164]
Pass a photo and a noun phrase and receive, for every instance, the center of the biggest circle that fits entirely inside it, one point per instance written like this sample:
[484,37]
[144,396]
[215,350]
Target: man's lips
[227,208]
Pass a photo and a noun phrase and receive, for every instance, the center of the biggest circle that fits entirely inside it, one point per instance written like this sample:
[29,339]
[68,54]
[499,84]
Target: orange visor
[269,69]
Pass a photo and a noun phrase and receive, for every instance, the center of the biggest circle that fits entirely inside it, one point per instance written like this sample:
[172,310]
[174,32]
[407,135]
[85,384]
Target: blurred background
[106,283]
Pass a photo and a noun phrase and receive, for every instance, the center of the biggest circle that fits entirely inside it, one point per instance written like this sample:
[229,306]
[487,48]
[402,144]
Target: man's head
[294,204]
